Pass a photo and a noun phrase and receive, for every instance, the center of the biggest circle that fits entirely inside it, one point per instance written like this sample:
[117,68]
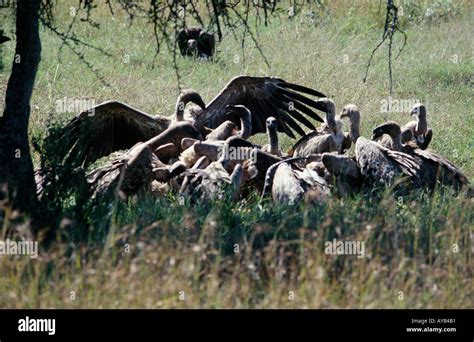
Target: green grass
[410,242]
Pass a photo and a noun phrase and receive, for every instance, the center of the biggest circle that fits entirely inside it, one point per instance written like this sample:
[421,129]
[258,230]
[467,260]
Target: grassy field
[152,252]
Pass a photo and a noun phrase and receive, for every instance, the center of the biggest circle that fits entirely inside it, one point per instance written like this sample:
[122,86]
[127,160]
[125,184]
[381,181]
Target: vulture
[344,173]
[132,171]
[261,159]
[218,179]
[240,150]
[272,146]
[292,185]
[327,138]
[434,167]
[418,130]
[378,165]
[213,182]
[113,125]
[128,173]
[225,130]
[195,149]
[171,138]
[242,114]
[196,42]
[215,140]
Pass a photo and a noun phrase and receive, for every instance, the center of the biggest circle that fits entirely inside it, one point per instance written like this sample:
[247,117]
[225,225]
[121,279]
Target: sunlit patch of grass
[244,255]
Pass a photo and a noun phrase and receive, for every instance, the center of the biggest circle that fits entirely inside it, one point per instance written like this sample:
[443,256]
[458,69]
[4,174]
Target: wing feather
[404,161]
[105,128]
[297,115]
[264,97]
[439,159]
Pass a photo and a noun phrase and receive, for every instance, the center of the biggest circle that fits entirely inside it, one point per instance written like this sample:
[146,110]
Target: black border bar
[219,324]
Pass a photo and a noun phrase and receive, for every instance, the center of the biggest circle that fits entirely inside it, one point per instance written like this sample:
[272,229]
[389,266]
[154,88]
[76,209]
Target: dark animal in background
[196,42]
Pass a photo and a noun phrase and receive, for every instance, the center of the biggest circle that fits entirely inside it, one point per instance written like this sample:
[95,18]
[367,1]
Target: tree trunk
[16,167]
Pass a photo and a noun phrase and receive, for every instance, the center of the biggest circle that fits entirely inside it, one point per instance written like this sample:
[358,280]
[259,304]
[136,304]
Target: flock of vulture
[203,151]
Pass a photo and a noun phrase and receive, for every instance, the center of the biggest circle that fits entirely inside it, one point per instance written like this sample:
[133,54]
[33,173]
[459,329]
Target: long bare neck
[273,137]
[246,126]
[354,127]
[421,124]
[179,109]
[236,176]
[397,141]
[331,119]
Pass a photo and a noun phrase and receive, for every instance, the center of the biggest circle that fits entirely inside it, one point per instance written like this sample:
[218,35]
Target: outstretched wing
[265,97]
[105,128]
[439,159]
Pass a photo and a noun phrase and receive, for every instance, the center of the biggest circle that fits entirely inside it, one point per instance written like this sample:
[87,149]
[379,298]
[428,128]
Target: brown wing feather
[264,97]
[404,161]
[439,159]
[105,128]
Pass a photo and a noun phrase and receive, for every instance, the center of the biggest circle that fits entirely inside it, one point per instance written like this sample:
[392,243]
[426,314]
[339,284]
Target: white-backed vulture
[167,144]
[136,168]
[351,111]
[292,185]
[327,138]
[344,172]
[128,173]
[434,167]
[418,130]
[378,165]
[196,42]
[215,181]
[217,137]
[113,126]
[272,146]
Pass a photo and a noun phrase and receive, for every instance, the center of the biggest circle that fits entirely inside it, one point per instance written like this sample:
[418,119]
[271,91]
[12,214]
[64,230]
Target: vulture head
[192,46]
[351,111]
[419,110]
[184,98]
[271,124]
[328,106]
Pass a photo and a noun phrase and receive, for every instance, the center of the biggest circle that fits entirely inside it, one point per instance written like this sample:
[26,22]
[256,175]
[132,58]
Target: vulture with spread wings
[113,125]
